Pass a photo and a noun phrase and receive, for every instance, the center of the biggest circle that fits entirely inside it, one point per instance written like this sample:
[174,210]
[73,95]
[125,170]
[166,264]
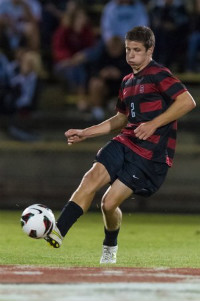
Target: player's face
[136,55]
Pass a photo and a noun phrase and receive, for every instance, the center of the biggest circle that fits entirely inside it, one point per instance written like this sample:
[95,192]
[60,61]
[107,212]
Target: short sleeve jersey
[142,97]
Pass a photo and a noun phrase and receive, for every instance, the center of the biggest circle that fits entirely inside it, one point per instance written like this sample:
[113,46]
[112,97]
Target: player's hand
[145,130]
[74,136]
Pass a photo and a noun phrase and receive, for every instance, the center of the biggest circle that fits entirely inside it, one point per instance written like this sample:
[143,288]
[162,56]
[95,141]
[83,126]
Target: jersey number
[132,110]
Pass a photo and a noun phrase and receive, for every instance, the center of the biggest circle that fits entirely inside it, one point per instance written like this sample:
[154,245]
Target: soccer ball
[37,221]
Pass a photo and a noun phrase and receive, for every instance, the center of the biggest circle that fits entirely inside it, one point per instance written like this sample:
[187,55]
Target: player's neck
[142,66]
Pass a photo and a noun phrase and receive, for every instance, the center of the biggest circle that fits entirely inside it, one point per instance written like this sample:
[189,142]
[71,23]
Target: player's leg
[112,216]
[93,180]
[79,202]
[114,196]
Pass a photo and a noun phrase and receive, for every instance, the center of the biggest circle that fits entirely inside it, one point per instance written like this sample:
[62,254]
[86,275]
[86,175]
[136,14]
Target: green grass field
[146,240]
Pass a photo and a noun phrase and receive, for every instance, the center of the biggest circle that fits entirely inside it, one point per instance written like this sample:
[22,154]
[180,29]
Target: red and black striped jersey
[142,97]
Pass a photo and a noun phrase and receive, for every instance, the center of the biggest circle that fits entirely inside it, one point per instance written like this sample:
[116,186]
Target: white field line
[101,291]
[121,273]
[27,273]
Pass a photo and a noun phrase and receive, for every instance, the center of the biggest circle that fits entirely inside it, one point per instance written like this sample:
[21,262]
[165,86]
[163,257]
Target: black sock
[69,215]
[110,238]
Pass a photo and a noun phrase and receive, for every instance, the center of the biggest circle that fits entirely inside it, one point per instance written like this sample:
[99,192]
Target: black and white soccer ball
[37,221]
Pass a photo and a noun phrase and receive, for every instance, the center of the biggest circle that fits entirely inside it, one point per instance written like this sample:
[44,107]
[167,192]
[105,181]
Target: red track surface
[33,274]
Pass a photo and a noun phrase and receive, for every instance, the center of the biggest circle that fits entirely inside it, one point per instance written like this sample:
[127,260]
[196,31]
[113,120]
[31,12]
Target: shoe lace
[107,254]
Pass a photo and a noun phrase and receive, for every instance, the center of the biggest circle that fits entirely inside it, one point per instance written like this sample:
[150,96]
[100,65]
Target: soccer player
[136,161]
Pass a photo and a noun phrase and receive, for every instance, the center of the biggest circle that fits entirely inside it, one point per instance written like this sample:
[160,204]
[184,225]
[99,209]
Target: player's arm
[181,106]
[116,122]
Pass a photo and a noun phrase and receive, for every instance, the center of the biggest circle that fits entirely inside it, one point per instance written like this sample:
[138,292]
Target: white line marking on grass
[98,292]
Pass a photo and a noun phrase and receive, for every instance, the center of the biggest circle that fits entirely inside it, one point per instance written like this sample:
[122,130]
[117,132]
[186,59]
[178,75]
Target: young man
[136,161]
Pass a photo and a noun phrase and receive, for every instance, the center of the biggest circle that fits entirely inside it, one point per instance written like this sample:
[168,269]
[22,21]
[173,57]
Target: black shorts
[143,176]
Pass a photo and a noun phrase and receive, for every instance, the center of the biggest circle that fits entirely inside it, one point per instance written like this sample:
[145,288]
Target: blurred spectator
[119,16]
[193,49]
[21,87]
[52,13]
[72,36]
[107,74]
[25,82]
[4,41]
[170,21]
[3,78]
[20,22]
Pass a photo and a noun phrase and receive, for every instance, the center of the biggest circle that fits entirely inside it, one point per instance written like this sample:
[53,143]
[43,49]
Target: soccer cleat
[54,238]
[109,255]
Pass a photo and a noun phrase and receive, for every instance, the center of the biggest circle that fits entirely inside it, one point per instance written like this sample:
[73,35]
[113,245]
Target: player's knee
[107,206]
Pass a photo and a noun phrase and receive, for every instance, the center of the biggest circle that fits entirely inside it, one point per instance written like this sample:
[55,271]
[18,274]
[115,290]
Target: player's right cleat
[109,255]
[54,238]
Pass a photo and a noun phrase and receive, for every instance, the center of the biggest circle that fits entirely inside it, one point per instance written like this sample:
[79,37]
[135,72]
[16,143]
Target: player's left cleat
[54,238]
[109,255]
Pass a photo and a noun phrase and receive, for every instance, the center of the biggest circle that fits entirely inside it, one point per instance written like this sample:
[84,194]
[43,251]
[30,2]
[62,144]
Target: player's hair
[141,34]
